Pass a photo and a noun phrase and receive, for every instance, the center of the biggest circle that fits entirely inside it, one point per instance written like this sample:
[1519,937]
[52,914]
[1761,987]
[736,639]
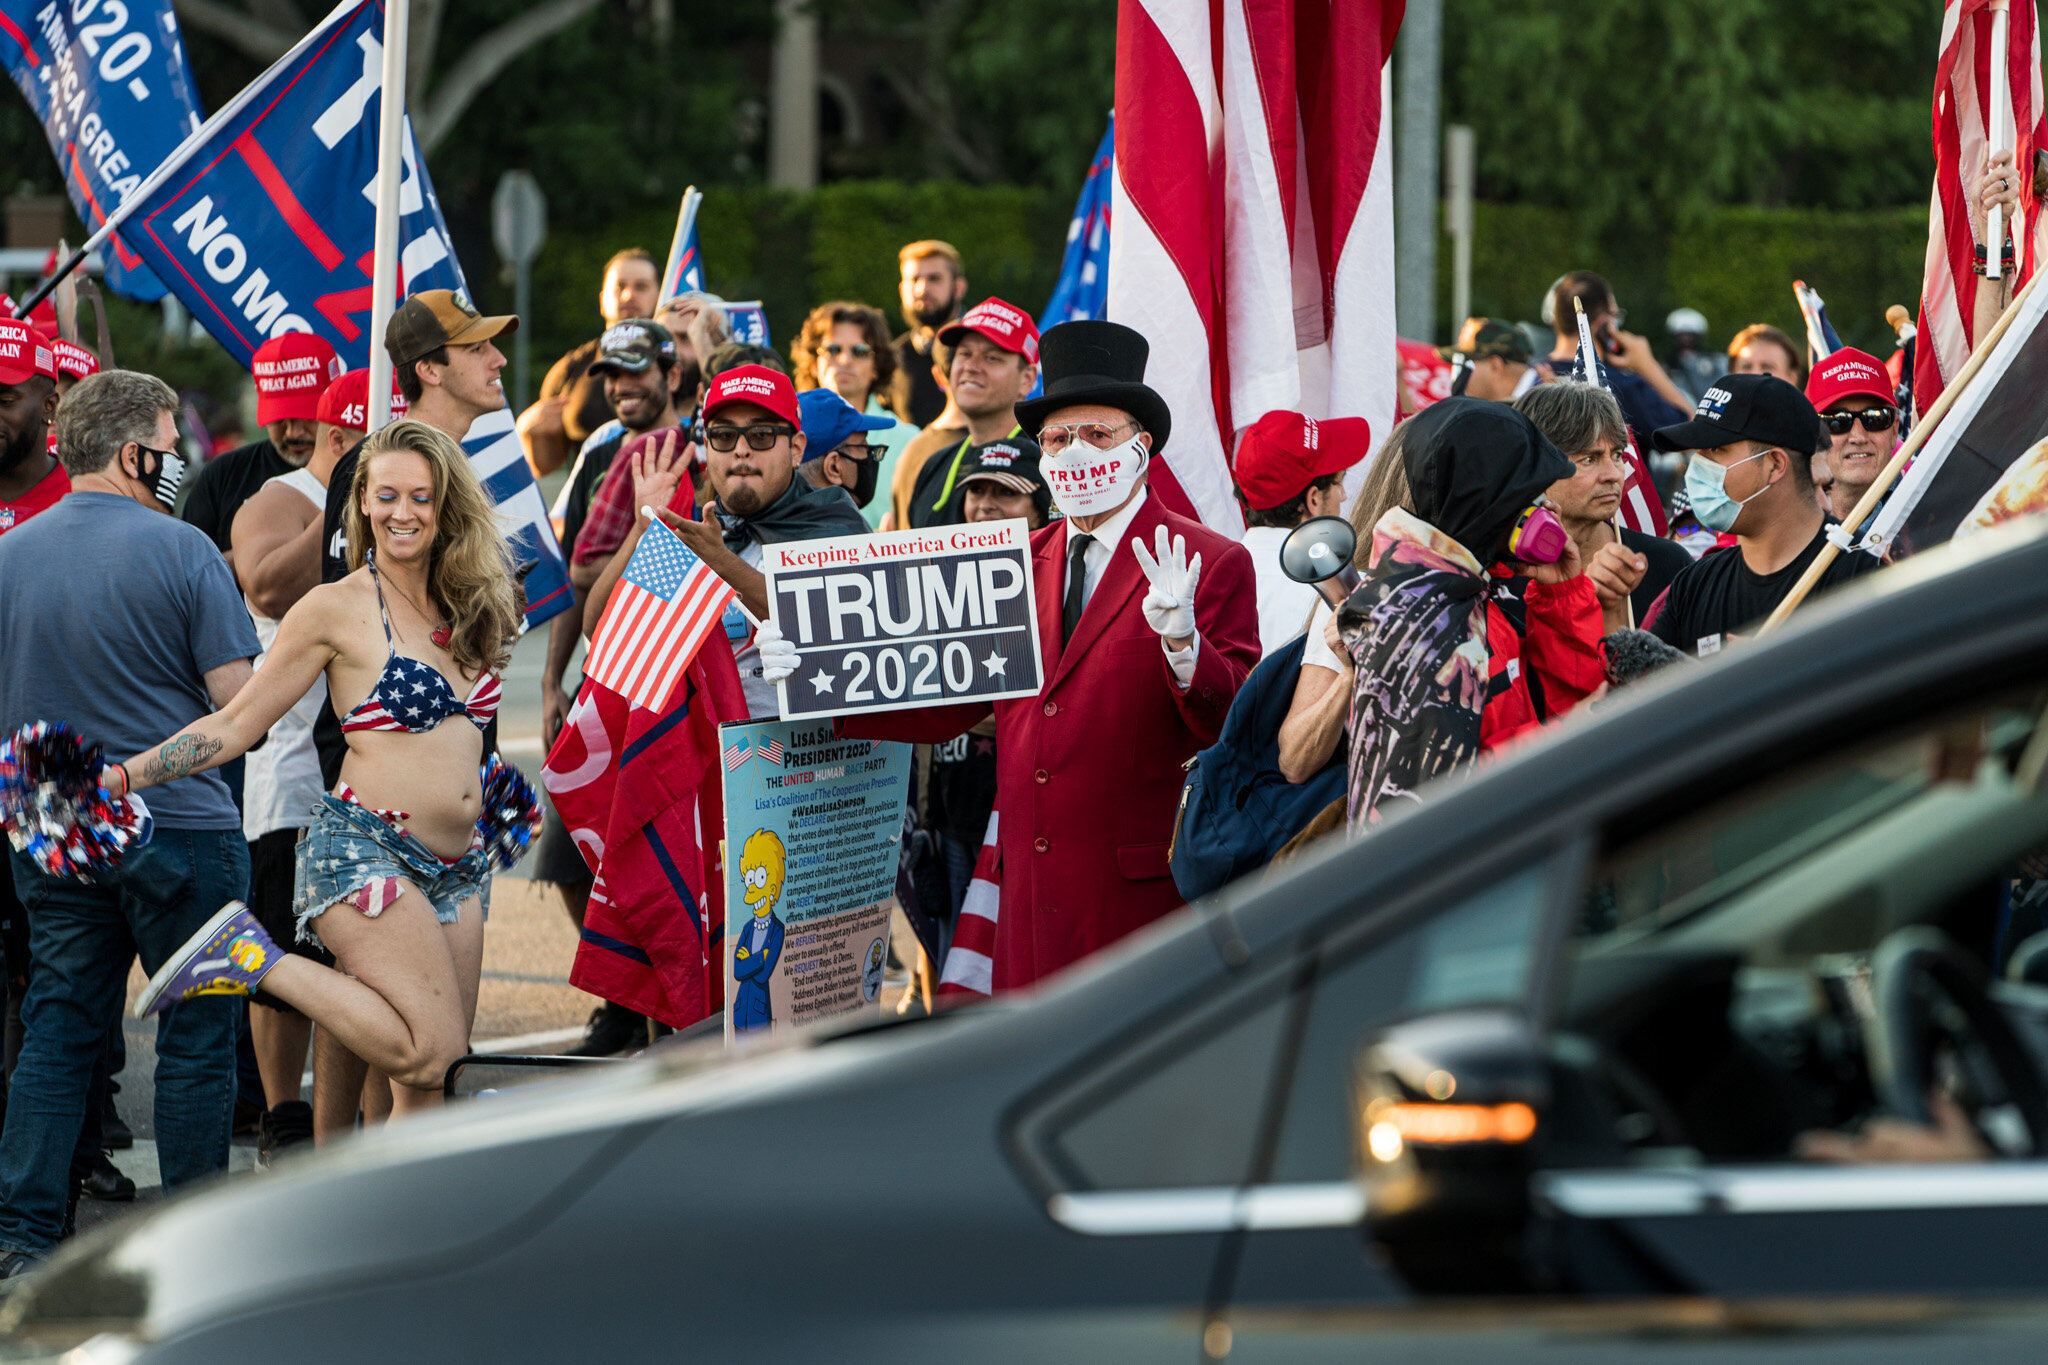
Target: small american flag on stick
[735,757]
[771,752]
[1641,510]
[664,607]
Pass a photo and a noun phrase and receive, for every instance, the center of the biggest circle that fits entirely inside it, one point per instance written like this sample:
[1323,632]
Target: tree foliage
[1634,112]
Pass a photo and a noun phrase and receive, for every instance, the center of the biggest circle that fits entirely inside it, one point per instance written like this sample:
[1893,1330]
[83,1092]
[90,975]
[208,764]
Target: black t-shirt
[915,388]
[936,478]
[962,789]
[226,482]
[1666,559]
[1719,596]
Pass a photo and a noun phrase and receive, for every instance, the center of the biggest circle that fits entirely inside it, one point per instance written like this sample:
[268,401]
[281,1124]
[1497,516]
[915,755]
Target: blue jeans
[82,936]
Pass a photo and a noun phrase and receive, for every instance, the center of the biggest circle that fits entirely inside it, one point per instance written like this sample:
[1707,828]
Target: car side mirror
[1319,552]
[1446,1111]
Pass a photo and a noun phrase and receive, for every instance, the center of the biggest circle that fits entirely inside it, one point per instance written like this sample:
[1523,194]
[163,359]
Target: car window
[1187,1110]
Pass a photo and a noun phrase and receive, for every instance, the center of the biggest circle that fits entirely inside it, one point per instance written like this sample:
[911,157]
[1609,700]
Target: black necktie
[1077,582]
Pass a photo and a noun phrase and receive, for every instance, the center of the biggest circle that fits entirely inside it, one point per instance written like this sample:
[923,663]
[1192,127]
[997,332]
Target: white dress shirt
[1109,538]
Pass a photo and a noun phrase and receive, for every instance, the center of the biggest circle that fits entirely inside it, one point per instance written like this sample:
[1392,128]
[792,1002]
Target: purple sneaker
[226,957]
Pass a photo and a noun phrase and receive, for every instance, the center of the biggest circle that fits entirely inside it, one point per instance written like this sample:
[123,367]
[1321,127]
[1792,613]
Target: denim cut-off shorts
[351,854]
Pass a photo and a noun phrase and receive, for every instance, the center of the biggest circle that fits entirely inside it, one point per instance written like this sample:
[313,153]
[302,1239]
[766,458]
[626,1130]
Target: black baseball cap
[1011,462]
[1746,407]
[632,346]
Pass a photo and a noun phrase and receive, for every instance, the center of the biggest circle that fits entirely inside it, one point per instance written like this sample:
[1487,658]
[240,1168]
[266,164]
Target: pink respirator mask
[1538,538]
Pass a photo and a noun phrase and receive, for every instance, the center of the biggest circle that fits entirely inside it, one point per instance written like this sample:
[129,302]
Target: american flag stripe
[772,752]
[735,757]
[970,961]
[1962,130]
[1252,210]
[659,616]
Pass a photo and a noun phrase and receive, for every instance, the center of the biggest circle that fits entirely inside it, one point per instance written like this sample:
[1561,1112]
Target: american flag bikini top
[415,696]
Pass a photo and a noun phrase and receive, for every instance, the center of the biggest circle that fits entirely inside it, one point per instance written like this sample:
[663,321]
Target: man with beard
[572,403]
[31,480]
[291,372]
[753,441]
[933,287]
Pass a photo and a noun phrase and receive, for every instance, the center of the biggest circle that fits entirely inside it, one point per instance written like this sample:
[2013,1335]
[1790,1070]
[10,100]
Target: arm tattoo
[181,758]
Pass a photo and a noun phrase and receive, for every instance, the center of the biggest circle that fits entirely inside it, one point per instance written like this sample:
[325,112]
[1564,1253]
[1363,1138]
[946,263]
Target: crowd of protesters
[317,581]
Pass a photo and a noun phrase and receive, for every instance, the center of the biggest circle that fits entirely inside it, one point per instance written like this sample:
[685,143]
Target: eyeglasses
[856,450]
[1101,435]
[859,350]
[1879,418]
[761,437]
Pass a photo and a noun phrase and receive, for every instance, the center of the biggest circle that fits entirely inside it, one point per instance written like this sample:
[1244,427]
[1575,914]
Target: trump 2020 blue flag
[500,464]
[685,269]
[109,83]
[269,225]
[1083,288]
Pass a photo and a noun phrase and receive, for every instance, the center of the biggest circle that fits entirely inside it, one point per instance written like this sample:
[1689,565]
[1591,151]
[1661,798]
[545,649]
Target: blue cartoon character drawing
[759,944]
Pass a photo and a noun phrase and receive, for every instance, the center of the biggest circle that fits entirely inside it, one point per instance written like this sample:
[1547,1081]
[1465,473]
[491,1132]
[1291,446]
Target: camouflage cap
[1489,336]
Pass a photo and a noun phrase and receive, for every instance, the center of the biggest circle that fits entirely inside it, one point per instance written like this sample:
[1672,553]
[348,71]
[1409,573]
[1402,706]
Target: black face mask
[870,470]
[163,480]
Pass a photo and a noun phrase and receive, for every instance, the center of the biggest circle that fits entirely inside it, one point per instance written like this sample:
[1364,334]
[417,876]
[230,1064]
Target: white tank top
[281,781]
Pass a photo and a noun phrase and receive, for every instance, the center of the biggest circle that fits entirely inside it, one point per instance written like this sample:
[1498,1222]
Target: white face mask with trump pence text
[1086,482]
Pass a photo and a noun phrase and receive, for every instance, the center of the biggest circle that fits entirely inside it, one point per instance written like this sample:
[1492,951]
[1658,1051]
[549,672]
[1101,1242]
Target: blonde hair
[469,569]
[1385,487]
[931,246]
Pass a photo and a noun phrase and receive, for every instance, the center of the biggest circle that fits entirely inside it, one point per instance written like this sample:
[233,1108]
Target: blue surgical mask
[1706,487]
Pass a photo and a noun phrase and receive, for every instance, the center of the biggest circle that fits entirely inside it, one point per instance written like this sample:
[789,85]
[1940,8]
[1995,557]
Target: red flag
[1964,95]
[650,780]
[1253,212]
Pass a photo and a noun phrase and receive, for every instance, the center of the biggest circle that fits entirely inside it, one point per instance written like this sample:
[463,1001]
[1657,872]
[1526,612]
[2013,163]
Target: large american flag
[1963,98]
[1642,509]
[664,607]
[1253,218]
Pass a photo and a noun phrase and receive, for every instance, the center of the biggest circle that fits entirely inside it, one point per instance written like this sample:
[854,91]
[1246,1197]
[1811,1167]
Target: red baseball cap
[756,384]
[24,353]
[73,359]
[1849,373]
[1284,452]
[291,373]
[346,402]
[1006,325]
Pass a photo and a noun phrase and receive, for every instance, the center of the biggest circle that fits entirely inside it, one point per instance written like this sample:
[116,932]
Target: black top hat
[1096,362]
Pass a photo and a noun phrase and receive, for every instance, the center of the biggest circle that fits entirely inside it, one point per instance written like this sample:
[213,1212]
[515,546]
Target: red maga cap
[1005,324]
[346,402]
[291,373]
[24,353]
[1849,373]
[1284,452]
[756,384]
[73,359]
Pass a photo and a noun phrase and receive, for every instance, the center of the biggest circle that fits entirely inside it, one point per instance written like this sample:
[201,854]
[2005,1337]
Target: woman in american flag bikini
[391,869]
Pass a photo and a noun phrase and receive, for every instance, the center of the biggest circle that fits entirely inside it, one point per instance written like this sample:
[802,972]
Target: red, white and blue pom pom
[510,816]
[54,807]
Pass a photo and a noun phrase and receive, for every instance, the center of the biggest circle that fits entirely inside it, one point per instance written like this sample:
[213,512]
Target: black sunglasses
[856,450]
[1880,418]
[859,350]
[760,437]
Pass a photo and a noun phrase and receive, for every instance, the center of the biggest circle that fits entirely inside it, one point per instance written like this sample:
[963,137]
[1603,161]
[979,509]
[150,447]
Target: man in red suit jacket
[1148,624]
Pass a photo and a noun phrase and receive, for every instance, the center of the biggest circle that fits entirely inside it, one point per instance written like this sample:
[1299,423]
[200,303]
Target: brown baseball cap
[439,317]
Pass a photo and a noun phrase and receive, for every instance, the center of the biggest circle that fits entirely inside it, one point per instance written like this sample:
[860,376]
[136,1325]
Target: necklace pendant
[441,637]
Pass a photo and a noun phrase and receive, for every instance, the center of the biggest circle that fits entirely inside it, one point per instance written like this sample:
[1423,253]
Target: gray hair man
[122,621]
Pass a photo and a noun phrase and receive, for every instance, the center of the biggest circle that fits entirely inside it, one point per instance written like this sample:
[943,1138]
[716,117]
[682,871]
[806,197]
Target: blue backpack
[1236,810]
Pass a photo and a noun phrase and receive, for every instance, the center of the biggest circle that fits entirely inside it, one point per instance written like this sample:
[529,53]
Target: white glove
[778,655]
[1170,604]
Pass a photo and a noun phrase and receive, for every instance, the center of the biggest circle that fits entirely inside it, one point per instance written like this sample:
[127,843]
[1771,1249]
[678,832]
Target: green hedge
[793,251]
[1736,265]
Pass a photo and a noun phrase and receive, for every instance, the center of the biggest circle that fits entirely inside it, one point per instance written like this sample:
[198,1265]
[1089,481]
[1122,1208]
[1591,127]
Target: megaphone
[1319,552]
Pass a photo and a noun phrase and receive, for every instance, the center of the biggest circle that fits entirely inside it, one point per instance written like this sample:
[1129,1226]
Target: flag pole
[169,166]
[1900,459]
[2001,136]
[390,170]
[1592,356]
